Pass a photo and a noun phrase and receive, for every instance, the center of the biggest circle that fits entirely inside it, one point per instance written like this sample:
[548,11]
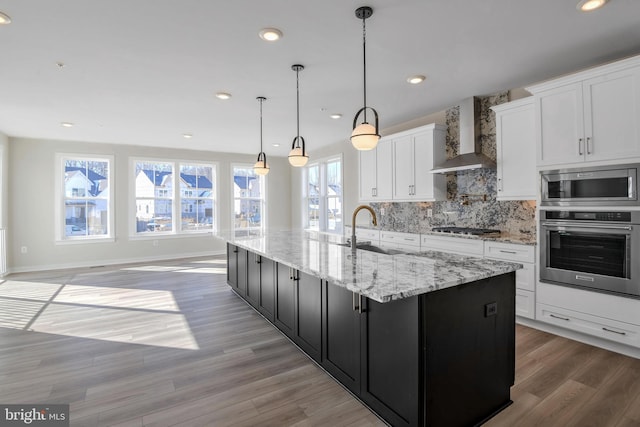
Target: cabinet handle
[360,309]
[290,273]
[588,145]
[580,146]
[615,332]
[353,301]
[559,317]
[508,252]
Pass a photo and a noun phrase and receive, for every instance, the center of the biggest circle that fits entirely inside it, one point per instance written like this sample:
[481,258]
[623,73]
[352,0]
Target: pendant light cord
[261,125]
[298,106]
[364,63]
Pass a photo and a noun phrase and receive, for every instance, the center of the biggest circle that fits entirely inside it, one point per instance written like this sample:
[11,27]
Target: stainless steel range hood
[470,156]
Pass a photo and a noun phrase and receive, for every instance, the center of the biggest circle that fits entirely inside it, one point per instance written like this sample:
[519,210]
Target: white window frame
[176,205]
[60,197]
[263,199]
[323,217]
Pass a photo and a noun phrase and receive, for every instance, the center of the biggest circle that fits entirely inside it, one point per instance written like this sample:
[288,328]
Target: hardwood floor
[169,344]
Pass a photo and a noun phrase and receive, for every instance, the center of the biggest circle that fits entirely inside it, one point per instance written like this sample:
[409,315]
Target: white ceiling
[145,72]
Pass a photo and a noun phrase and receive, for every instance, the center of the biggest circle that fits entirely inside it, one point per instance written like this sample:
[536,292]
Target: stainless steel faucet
[374,220]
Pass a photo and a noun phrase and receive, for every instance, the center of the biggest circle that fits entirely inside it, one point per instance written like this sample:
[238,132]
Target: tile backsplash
[507,216]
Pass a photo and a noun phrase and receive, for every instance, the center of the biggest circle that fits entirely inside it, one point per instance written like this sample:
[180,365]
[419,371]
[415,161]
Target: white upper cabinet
[376,172]
[399,168]
[590,116]
[415,153]
[516,150]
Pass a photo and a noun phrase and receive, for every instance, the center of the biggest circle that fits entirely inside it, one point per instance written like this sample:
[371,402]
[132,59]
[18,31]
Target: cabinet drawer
[624,333]
[525,304]
[509,252]
[526,277]
[454,245]
[626,310]
[390,238]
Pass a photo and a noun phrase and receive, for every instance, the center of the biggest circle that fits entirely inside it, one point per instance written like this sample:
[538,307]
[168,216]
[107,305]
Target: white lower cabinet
[397,240]
[525,278]
[605,316]
[456,245]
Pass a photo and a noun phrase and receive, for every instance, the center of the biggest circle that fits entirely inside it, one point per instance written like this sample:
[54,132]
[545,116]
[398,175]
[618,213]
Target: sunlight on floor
[137,316]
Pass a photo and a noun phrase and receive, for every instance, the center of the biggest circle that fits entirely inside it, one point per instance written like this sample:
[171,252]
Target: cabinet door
[426,186]
[391,345]
[253,279]
[341,344]
[232,265]
[403,155]
[559,125]
[367,174]
[284,316]
[612,115]
[515,132]
[308,332]
[384,171]
[267,288]
[241,263]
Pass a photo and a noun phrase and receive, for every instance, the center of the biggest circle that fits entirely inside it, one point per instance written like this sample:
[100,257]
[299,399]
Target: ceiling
[145,72]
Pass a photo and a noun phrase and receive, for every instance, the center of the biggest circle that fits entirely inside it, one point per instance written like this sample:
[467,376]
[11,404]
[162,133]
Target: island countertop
[381,277]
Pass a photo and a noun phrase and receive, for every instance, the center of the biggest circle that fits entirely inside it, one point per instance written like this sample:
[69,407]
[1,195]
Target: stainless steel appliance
[594,250]
[593,186]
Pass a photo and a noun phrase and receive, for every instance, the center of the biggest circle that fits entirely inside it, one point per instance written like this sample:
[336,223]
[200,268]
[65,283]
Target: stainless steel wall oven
[591,249]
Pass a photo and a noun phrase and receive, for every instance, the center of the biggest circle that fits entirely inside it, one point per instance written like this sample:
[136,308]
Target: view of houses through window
[248,200]
[158,197]
[86,197]
[323,195]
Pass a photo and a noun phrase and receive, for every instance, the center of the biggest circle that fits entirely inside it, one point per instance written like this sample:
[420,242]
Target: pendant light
[365,136]
[261,167]
[298,155]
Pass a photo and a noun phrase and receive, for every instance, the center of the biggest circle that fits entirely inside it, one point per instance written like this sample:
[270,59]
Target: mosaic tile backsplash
[516,217]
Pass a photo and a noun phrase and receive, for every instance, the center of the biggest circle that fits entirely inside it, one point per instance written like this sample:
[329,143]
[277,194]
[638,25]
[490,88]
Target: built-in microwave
[614,185]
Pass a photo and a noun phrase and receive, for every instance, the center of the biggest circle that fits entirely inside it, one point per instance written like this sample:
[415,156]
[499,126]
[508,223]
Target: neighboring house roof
[336,188]
[196,181]
[243,181]
[94,177]
[156,177]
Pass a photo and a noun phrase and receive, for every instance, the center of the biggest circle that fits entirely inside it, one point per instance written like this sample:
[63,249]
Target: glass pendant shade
[298,156]
[261,168]
[364,137]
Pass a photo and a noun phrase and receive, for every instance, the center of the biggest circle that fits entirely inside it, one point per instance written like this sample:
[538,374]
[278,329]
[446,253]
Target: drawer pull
[559,317]
[615,332]
[508,252]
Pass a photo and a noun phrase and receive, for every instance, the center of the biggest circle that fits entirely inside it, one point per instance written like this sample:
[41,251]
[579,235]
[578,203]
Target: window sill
[86,240]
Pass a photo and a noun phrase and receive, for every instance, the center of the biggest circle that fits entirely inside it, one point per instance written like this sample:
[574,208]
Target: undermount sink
[376,249]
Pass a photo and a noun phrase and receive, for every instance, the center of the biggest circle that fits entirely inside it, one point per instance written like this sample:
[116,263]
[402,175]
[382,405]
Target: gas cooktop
[466,230]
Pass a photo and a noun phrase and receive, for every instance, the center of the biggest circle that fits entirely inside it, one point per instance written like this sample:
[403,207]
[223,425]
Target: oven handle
[603,227]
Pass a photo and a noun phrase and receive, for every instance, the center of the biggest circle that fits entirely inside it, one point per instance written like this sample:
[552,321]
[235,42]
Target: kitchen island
[425,338]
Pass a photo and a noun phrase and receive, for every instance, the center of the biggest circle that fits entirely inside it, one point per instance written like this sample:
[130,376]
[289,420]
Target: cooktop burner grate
[466,230]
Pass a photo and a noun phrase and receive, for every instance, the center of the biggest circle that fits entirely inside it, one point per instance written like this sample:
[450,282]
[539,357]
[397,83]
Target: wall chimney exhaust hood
[470,156]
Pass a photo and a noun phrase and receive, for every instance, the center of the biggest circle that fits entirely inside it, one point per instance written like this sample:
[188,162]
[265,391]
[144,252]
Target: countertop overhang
[380,277]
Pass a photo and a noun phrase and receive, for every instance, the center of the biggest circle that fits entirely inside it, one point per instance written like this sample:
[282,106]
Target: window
[158,196]
[84,198]
[323,195]
[248,200]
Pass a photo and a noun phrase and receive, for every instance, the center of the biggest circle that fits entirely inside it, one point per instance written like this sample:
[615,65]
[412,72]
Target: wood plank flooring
[169,344]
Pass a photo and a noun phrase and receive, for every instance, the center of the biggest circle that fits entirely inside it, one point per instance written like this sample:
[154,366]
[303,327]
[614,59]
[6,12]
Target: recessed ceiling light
[187,135]
[66,124]
[417,79]
[589,5]
[223,95]
[276,145]
[4,19]
[336,116]
[60,64]
[270,34]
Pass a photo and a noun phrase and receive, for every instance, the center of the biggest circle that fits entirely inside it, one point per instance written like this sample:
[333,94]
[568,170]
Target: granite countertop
[380,277]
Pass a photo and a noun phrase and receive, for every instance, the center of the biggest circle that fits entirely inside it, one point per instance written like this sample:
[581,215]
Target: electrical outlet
[381,211]
[23,250]
[429,213]
[490,309]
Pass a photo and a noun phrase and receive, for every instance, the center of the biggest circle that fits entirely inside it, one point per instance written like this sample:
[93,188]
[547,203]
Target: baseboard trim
[89,264]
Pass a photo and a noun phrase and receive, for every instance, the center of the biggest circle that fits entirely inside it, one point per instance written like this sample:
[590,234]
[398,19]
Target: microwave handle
[603,226]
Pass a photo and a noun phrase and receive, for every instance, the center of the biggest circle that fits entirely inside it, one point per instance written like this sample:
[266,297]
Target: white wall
[4,181]
[31,166]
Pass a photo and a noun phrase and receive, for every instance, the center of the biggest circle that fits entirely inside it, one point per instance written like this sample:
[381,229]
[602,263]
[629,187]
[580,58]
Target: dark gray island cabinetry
[436,354]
